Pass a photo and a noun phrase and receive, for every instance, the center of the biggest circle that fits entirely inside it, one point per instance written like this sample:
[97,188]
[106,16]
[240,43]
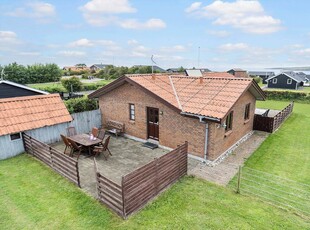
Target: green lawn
[286,155]
[303,90]
[34,197]
[46,86]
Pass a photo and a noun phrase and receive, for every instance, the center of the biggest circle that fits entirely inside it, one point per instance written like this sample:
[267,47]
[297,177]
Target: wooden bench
[115,127]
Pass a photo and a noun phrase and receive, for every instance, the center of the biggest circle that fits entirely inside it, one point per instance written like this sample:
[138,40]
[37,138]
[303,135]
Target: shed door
[152,123]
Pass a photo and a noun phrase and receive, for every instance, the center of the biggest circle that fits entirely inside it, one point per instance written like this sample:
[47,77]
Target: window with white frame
[132,114]
[289,81]
[274,81]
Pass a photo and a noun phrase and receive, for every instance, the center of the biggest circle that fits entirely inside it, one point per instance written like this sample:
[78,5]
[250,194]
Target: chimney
[200,80]
[153,77]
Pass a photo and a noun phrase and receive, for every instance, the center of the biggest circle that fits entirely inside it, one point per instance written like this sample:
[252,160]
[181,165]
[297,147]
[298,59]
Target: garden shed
[30,114]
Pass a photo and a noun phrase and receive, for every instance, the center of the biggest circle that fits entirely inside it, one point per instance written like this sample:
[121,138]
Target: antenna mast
[153,62]
[198,57]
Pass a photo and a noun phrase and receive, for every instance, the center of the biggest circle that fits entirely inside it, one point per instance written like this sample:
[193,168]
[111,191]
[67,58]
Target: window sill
[229,132]
[132,122]
[246,121]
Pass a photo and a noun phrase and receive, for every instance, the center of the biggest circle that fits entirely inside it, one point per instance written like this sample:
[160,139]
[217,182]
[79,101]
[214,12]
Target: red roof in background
[19,114]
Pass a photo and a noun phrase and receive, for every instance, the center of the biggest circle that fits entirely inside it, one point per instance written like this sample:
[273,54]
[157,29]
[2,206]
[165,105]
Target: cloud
[86,43]
[153,23]
[8,37]
[41,11]
[108,7]
[233,47]
[173,49]
[81,43]
[132,42]
[248,16]
[106,12]
[29,53]
[68,53]
[193,7]
[219,33]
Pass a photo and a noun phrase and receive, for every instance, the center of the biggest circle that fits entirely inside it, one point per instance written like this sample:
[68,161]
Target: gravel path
[222,173]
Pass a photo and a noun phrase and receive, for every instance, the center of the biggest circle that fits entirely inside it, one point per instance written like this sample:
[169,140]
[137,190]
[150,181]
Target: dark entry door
[152,123]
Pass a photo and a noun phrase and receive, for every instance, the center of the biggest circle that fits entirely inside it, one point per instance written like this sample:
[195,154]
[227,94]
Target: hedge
[81,104]
[288,96]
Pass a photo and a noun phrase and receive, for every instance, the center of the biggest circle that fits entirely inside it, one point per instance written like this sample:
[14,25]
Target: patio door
[152,123]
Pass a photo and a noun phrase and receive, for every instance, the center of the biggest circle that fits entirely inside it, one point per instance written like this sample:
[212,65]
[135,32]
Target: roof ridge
[23,98]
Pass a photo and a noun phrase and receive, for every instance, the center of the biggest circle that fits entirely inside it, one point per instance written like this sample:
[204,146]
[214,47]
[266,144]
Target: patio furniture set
[94,143]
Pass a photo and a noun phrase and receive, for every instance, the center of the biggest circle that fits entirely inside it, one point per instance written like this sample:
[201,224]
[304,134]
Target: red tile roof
[211,96]
[19,114]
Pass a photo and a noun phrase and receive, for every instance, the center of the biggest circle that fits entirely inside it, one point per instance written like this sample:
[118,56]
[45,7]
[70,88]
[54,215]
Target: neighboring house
[213,114]
[237,72]
[98,67]
[177,70]
[76,68]
[173,70]
[304,77]
[286,80]
[263,75]
[155,68]
[28,114]
[11,89]
[218,74]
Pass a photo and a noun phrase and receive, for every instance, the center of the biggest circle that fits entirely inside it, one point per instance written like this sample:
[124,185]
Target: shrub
[81,104]
[72,83]
[93,86]
[257,79]
[52,89]
[288,96]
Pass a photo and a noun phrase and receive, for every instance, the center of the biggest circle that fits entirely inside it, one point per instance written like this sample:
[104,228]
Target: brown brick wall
[174,129]
[218,142]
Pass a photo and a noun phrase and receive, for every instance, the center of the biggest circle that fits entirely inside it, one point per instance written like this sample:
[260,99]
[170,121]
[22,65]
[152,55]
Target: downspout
[206,138]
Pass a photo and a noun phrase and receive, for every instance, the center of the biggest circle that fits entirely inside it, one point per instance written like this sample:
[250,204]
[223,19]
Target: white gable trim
[283,74]
[23,87]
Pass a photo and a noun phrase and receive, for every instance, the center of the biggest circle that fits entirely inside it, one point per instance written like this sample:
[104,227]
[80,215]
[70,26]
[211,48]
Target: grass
[46,86]
[34,197]
[284,154]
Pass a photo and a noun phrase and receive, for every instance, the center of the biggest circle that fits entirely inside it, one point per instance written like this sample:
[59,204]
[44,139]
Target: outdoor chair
[75,148]
[101,135]
[67,143]
[71,131]
[95,131]
[101,149]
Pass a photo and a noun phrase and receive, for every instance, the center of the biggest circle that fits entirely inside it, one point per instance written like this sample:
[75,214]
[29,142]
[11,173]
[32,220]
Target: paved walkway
[222,173]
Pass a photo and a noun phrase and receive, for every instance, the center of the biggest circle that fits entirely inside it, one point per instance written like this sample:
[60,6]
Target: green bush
[288,96]
[52,89]
[81,104]
[93,86]
[72,83]
[257,79]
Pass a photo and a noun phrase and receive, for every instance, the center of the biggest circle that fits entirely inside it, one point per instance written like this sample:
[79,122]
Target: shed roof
[210,97]
[19,114]
[22,86]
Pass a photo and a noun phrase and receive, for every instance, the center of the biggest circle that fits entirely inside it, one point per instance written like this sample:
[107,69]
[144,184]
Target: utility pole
[153,62]
[2,75]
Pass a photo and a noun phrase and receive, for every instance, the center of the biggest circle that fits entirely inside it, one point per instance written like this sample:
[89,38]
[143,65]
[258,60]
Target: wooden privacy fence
[271,124]
[61,163]
[143,184]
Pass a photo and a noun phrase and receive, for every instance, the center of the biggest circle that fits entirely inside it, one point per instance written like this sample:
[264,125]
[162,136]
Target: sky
[218,35]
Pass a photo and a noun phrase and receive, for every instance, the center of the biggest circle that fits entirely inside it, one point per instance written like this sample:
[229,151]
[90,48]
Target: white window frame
[132,112]
[289,81]
[274,81]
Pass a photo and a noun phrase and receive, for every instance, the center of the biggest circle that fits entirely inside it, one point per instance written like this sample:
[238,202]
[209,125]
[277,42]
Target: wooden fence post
[123,199]
[239,180]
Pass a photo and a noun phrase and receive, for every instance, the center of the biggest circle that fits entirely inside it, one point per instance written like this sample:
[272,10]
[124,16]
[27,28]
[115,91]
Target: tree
[72,84]
[81,64]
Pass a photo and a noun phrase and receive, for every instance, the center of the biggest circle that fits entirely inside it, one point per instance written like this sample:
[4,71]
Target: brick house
[211,113]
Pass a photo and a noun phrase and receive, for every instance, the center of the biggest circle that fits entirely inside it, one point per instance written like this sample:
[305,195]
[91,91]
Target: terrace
[127,155]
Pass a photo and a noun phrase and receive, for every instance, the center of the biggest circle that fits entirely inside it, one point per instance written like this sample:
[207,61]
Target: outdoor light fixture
[161,112]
